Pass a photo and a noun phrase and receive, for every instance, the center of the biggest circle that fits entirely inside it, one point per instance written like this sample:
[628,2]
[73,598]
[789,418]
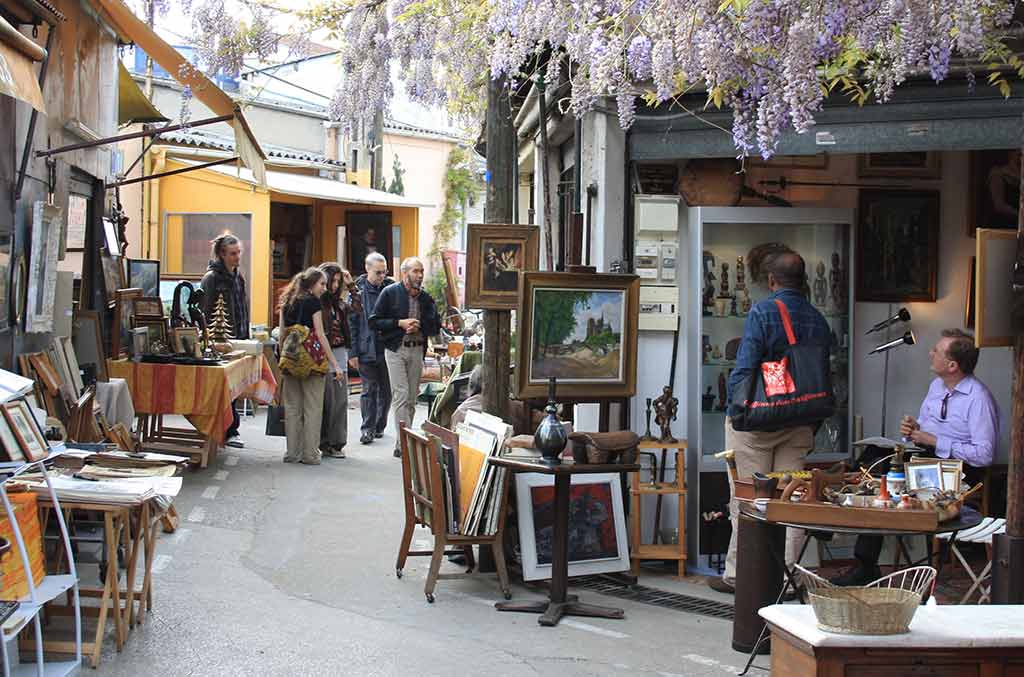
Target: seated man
[475,401]
[959,419]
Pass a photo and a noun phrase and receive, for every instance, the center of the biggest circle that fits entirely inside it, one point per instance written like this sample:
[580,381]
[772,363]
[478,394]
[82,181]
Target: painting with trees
[581,329]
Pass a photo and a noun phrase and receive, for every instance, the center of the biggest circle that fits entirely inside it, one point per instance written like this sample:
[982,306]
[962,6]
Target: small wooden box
[827,514]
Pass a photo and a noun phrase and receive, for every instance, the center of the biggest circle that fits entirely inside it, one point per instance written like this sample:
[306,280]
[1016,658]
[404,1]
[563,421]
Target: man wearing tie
[959,420]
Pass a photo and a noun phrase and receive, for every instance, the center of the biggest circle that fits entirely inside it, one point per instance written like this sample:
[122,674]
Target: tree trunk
[500,194]
[545,172]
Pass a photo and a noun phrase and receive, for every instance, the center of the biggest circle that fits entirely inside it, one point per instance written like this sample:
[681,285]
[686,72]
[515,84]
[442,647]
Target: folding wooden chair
[983,533]
[425,506]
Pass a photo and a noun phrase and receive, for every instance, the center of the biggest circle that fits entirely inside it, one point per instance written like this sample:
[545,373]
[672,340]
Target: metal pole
[133,135]
[128,182]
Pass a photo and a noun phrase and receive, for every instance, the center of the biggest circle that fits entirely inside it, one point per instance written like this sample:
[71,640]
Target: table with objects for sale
[202,394]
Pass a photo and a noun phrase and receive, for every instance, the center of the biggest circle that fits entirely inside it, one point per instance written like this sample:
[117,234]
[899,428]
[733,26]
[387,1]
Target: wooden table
[203,394]
[944,641]
[560,603]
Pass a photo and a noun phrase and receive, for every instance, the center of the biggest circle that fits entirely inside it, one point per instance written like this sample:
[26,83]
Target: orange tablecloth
[201,394]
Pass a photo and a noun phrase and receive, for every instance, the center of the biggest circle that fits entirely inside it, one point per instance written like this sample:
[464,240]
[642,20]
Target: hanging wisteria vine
[772,62]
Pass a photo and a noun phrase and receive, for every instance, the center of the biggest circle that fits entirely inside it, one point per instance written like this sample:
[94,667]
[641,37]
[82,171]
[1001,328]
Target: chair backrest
[421,478]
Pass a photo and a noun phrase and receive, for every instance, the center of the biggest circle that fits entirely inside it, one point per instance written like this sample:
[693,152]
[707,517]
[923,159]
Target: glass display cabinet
[721,290]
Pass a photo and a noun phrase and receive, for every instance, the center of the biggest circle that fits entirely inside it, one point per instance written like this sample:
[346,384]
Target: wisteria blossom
[770,62]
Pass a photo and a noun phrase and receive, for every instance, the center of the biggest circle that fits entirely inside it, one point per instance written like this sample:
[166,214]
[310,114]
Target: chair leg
[467,550]
[499,564]
[435,568]
[403,547]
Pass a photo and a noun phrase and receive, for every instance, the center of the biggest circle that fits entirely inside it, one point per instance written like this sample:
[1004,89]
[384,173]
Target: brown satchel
[605,447]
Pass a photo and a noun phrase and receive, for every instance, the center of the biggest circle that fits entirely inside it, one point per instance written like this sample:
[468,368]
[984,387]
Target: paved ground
[282,569]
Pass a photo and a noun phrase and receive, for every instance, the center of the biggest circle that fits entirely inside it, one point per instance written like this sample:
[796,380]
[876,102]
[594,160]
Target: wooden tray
[827,514]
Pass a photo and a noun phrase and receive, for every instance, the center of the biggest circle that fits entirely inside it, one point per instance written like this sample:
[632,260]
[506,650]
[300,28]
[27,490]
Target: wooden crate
[827,514]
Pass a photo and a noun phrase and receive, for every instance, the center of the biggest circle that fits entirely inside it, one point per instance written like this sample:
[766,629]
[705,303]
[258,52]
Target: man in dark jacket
[367,351]
[405,316]
[223,278]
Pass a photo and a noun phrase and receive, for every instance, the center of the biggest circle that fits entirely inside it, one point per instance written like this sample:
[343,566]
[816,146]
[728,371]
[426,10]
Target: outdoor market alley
[281,569]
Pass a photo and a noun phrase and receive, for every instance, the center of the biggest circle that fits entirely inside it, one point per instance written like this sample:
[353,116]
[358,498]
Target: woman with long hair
[336,307]
[304,397]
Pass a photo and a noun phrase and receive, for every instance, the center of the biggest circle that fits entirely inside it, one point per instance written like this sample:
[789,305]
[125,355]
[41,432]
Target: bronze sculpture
[665,409]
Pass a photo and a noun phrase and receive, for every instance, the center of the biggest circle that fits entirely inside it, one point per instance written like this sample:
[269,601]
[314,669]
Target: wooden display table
[560,603]
[661,551]
[944,641]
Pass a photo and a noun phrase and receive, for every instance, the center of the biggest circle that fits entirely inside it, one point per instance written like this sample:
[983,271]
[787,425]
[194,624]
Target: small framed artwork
[120,332]
[148,306]
[816,161]
[898,245]
[140,341]
[156,330]
[496,255]
[11,448]
[110,237]
[23,425]
[582,330]
[113,275]
[917,165]
[952,471]
[597,525]
[145,274]
[186,341]
[924,474]
[994,189]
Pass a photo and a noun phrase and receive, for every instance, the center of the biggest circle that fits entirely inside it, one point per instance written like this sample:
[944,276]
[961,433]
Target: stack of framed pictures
[148,316]
[20,436]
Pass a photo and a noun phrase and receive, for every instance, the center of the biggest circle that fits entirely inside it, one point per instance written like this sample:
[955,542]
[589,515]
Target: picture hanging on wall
[581,329]
[994,190]
[597,525]
[42,278]
[495,257]
[920,165]
[897,245]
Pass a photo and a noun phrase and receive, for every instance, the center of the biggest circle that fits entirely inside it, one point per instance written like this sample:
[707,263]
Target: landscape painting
[581,330]
[577,335]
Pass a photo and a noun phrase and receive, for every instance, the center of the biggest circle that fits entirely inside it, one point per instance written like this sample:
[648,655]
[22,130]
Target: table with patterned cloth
[202,394]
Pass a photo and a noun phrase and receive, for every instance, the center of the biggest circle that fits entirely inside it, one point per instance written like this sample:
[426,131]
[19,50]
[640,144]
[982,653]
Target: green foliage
[434,285]
[397,185]
[554,316]
[461,186]
[606,339]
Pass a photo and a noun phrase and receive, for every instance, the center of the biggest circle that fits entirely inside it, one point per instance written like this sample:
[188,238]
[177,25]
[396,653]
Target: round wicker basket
[884,607]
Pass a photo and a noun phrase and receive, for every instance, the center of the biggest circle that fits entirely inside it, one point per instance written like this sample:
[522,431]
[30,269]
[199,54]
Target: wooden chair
[425,506]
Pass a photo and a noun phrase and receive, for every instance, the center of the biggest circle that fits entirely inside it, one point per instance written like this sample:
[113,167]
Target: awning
[131,27]
[18,78]
[301,185]
[132,104]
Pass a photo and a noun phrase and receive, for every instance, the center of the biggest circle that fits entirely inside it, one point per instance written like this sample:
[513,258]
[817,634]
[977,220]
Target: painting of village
[577,335]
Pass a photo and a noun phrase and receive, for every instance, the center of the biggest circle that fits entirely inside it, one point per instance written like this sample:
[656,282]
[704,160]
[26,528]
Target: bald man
[405,316]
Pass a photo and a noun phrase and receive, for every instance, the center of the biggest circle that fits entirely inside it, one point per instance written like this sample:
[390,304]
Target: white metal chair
[983,533]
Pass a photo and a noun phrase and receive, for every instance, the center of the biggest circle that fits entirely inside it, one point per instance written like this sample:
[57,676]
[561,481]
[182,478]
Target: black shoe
[720,585]
[366,438]
[235,442]
[378,435]
[858,575]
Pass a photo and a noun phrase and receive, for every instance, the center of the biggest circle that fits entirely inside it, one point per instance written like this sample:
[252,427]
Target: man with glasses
[959,419]
[368,351]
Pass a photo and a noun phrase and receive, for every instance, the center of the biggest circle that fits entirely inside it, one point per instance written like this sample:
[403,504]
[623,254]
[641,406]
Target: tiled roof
[205,139]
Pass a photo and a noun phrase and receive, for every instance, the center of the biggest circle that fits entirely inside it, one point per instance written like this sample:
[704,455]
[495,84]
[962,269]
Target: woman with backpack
[305,359]
[337,302]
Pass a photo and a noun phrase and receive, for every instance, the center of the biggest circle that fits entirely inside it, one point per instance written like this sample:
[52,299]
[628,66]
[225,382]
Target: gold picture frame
[581,329]
[31,439]
[496,257]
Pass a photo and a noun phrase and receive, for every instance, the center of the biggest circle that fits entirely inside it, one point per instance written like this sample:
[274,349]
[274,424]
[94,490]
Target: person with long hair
[224,280]
[336,303]
[304,397]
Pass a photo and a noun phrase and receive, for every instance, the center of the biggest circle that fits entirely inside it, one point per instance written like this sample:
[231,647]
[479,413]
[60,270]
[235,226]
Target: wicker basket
[884,607]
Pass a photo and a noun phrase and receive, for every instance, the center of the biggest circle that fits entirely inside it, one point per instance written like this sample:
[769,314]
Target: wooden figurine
[721,391]
[665,409]
[220,323]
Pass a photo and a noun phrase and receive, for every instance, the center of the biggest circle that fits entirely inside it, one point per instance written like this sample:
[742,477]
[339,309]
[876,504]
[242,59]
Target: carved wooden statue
[665,409]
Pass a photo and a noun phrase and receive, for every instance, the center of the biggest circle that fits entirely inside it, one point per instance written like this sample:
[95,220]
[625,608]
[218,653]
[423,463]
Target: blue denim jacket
[764,337]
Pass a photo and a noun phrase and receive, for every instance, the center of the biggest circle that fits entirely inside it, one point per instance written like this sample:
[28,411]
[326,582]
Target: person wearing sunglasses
[959,420]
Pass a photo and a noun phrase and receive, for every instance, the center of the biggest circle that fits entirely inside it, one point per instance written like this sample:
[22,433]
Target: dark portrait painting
[591,522]
[502,263]
[994,189]
[897,245]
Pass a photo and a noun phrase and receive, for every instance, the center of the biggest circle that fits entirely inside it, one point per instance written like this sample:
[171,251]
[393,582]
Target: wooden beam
[1015,476]
[501,191]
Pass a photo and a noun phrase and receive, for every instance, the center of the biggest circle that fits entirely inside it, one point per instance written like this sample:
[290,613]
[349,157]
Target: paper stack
[479,482]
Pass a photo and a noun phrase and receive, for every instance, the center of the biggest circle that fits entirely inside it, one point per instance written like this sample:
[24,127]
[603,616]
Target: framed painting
[23,425]
[87,338]
[47,231]
[149,306]
[580,328]
[144,274]
[897,245]
[121,331]
[113,275]
[11,448]
[917,165]
[994,189]
[597,525]
[496,255]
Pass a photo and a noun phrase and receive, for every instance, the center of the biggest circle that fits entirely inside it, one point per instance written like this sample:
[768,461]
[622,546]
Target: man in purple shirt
[959,419]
